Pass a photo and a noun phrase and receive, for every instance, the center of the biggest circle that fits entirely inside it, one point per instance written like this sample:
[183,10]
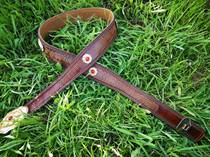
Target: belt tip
[9,122]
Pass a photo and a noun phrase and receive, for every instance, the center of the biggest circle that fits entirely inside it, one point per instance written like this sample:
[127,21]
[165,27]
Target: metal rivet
[93,71]
[87,58]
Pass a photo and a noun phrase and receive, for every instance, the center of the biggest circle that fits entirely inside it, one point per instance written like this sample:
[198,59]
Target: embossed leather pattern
[75,65]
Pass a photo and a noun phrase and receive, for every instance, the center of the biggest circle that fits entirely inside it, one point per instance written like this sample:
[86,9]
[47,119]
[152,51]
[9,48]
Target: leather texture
[75,65]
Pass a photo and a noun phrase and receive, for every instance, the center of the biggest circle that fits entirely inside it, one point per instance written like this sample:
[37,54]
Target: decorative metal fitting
[87,58]
[93,71]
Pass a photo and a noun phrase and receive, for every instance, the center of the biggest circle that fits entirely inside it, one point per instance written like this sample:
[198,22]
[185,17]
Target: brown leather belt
[85,63]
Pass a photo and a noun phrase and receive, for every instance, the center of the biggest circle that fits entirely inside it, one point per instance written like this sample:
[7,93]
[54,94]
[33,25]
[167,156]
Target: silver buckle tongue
[9,122]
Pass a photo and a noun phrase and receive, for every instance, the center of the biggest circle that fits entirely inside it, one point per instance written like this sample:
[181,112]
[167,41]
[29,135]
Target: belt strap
[85,62]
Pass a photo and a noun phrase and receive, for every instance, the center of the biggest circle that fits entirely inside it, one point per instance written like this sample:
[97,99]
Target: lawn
[162,47]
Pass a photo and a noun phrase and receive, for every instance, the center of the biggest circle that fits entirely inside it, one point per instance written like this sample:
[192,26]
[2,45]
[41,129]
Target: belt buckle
[184,125]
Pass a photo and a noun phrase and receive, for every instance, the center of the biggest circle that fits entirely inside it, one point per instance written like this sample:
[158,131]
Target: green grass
[165,54]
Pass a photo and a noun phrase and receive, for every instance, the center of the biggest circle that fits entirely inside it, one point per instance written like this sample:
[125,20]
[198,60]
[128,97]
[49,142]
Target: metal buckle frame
[184,125]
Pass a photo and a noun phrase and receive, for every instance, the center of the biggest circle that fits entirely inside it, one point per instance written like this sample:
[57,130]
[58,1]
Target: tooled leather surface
[96,48]
[75,67]
[110,79]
